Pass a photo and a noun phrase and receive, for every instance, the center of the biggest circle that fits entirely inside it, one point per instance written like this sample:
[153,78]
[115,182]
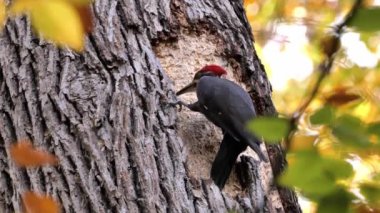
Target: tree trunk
[105,113]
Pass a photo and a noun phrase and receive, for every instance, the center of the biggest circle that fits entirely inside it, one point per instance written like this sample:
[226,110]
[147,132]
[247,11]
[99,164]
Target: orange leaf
[341,96]
[24,154]
[35,203]
[84,12]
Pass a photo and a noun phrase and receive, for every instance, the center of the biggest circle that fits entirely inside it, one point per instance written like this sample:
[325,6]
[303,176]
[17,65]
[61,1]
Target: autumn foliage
[333,146]
[24,154]
[37,203]
[338,128]
[64,22]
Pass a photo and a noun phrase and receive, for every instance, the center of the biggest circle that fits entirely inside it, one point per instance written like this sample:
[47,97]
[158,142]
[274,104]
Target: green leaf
[304,172]
[338,201]
[366,19]
[272,129]
[376,176]
[371,191]
[351,131]
[338,169]
[314,175]
[374,128]
[324,115]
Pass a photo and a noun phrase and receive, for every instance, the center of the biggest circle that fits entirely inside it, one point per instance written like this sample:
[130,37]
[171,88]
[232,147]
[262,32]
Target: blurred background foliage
[334,151]
[333,155]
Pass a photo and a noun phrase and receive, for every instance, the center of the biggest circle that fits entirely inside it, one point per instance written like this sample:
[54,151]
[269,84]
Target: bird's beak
[188,88]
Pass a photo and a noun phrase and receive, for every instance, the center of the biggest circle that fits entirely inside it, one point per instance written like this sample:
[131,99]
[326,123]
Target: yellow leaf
[302,142]
[2,14]
[57,20]
[21,6]
[60,22]
[248,2]
[80,2]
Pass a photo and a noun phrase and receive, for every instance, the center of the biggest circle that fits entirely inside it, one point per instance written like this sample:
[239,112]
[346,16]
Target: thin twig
[325,67]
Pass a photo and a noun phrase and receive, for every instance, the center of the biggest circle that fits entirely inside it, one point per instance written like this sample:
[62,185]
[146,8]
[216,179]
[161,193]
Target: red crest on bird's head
[216,69]
[208,70]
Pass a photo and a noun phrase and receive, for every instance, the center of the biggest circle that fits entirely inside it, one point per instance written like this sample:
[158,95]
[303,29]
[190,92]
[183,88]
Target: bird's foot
[178,103]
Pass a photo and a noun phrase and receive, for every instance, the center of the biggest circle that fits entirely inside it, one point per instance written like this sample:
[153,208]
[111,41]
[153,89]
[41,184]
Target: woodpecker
[229,107]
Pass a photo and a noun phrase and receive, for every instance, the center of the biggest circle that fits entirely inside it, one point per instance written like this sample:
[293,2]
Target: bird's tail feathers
[256,148]
[225,159]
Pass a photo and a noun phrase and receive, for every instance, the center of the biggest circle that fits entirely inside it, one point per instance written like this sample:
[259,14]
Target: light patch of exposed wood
[181,60]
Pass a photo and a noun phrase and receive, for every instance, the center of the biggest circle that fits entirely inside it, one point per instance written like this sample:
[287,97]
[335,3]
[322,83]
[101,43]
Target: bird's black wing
[228,106]
[225,159]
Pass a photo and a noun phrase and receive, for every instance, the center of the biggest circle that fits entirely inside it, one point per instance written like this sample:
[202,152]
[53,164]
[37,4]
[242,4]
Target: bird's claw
[178,103]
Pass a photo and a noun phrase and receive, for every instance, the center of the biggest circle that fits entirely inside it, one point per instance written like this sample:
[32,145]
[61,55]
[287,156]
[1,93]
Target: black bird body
[225,104]
[228,106]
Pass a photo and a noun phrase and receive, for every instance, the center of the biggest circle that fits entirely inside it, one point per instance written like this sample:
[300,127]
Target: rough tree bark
[104,113]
